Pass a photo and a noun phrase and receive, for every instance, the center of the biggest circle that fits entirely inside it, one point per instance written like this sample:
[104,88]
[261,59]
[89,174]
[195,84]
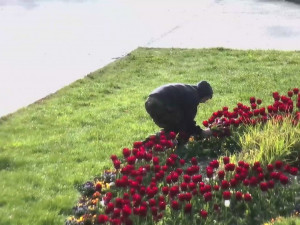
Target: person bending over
[173,107]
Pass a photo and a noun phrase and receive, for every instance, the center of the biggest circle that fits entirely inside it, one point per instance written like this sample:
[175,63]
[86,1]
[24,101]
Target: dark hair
[204,89]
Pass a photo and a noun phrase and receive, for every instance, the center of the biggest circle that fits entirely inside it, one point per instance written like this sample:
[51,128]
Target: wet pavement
[45,45]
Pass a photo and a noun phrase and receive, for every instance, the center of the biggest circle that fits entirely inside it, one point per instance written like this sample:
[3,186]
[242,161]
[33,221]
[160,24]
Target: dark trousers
[169,118]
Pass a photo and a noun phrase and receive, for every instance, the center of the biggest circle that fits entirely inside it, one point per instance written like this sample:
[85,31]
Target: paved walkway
[46,45]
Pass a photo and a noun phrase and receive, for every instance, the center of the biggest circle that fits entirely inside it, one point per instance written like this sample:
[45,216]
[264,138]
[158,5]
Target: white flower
[227,203]
[102,202]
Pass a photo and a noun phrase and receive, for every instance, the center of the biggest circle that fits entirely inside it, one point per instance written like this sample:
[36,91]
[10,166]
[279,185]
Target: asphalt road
[46,45]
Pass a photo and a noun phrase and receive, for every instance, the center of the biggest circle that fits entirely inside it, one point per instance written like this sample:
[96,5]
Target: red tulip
[113,157]
[162,205]
[293,171]
[270,108]
[271,184]
[252,99]
[174,176]
[126,152]
[170,162]
[264,186]
[262,111]
[172,135]
[188,208]
[229,167]
[270,167]
[165,190]
[214,164]
[136,198]
[183,186]
[283,179]
[247,197]
[192,186]
[182,162]
[256,112]
[207,188]
[290,93]
[179,171]
[158,148]
[246,182]
[238,196]
[258,101]
[173,191]
[116,213]
[216,187]
[278,164]
[194,161]
[197,178]
[209,172]
[188,196]
[115,221]
[253,181]
[109,208]
[233,182]
[117,164]
[276,96]
[275,175]
[203,213]
[143,211]
[131,160]
[256,165]
[126,211]
[151,202]
[226,160]
[186,178]
[102,218]
[175,205]
[181,197]
[224,184]
[154,210]
[226,195]
[207,196]
[221,174]
[205,123]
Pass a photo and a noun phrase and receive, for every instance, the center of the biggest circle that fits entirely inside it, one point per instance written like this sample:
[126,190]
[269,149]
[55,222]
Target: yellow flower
[70,218]
[92,208]
[80,219]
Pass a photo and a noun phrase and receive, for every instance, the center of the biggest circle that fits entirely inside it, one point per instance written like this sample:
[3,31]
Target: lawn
[50,147]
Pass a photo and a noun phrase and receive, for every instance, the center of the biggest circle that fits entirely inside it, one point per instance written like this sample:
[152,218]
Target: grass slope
[66,139]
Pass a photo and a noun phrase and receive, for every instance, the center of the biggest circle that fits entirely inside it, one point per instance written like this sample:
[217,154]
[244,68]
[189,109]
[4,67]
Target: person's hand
[206,133]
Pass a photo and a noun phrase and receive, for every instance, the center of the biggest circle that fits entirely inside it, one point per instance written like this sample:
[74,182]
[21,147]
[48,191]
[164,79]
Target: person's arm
[188,123]
[206,133]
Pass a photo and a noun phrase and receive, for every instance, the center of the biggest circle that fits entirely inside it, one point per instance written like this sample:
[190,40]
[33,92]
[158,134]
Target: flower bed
[153,183]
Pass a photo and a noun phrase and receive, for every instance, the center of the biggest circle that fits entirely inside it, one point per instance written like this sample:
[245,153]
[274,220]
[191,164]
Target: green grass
[50,147]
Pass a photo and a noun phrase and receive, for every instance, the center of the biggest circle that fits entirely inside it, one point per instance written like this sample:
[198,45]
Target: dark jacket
[182,97]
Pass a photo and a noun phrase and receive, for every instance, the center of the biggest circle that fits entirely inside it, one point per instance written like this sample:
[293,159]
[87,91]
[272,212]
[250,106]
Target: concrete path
[47,44]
